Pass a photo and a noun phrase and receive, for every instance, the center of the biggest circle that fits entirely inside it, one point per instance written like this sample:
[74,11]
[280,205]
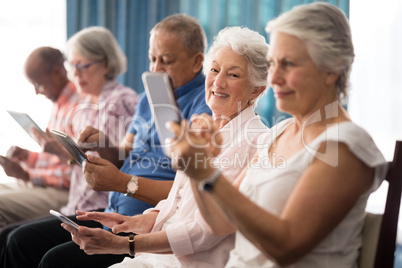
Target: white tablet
[64,219]
[162,102]
[70,145]
[25,121]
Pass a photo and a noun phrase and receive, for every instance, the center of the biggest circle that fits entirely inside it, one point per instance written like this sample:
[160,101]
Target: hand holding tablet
[70,145]
[162,102]
[64,219]
[26,122]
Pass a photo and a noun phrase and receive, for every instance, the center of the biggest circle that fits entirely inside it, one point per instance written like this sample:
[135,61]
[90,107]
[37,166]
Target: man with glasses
[47,179]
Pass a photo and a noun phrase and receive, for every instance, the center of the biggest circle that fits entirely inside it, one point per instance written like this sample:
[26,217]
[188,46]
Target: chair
[379,232]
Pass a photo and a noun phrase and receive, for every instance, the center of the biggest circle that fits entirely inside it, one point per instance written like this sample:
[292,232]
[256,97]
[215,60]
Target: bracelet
[131,244]
[208,184]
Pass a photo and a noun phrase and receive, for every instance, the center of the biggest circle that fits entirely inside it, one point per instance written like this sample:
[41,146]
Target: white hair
[326,31]
[247,43]
[98,43]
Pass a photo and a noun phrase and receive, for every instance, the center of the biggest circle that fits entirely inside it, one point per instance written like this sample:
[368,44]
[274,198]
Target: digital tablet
[70,145]
[25,121]
[64,218]
[162,102]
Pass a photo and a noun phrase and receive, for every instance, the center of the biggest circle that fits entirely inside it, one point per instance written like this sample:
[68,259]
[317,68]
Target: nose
[275,75]
[157,66]
[220,80]
[75,72]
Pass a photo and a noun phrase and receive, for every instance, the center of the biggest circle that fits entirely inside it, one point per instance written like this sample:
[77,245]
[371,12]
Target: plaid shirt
[46,169]
[110,112]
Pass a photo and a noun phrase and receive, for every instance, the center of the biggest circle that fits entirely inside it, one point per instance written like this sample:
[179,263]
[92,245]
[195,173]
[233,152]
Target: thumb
[120,228]
[97,160]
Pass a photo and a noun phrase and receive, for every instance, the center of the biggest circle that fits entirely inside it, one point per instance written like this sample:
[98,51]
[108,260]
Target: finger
[95,160]
[120,228]
[81,212]
[48,133]
[94,216]
[2,160]
[177,129]
[70,229]
[86,134]
[12,151]
[35,133]
[85,216]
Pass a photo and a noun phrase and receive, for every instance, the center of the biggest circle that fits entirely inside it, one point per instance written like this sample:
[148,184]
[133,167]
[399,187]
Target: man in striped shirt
[47,179]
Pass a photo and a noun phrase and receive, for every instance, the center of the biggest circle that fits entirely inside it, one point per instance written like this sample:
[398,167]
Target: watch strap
[208,184]
[131,244]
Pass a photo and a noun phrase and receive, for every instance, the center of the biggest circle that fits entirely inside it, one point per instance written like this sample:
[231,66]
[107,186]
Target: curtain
[131,21]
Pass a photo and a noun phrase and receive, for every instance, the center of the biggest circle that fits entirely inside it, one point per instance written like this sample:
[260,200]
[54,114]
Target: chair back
[383,228]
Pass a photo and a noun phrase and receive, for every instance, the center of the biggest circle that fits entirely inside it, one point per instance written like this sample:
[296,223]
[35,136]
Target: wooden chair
[379,233]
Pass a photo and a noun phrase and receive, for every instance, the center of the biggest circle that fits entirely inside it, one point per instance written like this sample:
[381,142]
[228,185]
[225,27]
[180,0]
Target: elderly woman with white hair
[302,200]
[236,70]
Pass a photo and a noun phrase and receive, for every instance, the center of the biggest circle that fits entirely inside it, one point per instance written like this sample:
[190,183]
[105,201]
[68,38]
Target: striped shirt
[45,169]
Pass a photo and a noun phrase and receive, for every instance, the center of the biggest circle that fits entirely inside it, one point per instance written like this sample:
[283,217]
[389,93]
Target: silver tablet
[25,121]
[64,219]
[162,102]
[70,145]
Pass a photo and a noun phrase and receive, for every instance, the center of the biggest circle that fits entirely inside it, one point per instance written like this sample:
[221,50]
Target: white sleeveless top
[270,187]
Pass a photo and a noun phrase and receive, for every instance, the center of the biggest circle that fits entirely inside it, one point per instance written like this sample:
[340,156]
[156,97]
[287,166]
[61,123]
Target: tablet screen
[25,121]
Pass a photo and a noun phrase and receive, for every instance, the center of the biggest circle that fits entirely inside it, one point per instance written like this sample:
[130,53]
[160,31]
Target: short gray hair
[187,28]
[98,43]
[247,43]
[326,31]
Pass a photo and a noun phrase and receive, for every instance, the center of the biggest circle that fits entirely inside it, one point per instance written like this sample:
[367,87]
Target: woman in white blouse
[301,202]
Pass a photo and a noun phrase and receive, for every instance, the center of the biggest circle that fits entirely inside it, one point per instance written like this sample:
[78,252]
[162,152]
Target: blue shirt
[146,157]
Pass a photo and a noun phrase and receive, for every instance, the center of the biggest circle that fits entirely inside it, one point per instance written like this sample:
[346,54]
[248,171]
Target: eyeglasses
[79,66]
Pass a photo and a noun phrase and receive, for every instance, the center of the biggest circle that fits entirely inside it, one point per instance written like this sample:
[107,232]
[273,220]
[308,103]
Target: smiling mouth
[220,94]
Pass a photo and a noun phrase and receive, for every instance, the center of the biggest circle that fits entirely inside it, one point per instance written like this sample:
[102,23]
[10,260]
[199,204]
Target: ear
[331,78]
[257,92]
[198,61]
[56,73]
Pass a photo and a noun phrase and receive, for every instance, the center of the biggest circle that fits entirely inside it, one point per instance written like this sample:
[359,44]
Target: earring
[250,102]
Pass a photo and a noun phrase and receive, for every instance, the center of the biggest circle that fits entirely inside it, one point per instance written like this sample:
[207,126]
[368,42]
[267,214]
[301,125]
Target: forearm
[150,191]
[153,243]
[266,231]
[150,243]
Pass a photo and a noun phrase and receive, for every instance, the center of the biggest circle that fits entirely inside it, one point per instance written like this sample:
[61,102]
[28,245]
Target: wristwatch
[208,184]
[132,186]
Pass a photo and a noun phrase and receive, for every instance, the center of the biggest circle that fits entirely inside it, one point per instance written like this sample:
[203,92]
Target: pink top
[111,114]
[188,233]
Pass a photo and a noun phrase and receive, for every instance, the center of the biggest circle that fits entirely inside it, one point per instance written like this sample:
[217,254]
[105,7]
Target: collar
[196,82]
[234,125]
[68,90]
[109,86]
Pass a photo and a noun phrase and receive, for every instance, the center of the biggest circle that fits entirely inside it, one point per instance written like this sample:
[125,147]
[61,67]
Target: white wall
[24,26]
[376,82]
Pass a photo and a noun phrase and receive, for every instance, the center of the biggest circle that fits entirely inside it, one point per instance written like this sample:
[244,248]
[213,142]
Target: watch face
[132,186]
